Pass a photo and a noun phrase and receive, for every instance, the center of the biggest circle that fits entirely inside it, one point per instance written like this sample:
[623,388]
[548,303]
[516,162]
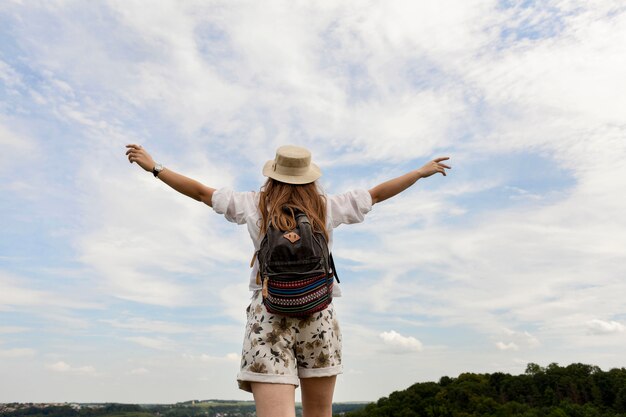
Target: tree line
[113,409]
[576,390]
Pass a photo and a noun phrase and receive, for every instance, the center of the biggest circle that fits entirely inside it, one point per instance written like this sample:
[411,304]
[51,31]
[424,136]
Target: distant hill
[192,408]
[577,390]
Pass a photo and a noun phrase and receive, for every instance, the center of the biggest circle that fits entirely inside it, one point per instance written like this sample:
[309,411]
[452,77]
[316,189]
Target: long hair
[278,201]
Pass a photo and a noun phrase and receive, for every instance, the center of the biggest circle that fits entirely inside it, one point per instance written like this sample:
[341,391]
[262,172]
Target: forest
[576,390]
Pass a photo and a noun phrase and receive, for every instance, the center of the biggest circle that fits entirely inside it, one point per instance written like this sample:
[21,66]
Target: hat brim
[312,174]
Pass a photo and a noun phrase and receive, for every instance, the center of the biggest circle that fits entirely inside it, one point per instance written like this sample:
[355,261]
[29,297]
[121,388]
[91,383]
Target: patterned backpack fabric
[296,269]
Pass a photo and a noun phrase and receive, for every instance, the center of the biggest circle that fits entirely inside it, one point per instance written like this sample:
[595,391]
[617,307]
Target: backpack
[296,269]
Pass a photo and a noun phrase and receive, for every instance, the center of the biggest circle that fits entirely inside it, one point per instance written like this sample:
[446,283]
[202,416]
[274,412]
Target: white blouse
[243,208]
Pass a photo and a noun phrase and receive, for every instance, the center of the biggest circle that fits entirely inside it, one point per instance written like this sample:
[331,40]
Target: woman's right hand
[138,154]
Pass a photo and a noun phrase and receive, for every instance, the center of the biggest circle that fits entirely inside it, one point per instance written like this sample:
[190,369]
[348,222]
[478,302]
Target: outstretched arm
[395,186]
[180,183]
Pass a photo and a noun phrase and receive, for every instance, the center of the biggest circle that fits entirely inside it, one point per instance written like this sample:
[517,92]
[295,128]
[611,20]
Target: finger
[444,165]
[441,159]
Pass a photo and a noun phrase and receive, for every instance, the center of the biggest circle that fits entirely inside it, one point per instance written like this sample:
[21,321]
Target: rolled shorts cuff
[244,378]
[320,372]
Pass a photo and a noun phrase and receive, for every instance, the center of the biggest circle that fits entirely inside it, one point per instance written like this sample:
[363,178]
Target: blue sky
[113,287]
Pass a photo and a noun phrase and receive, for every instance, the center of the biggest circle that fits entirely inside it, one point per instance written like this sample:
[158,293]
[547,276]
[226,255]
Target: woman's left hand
[434,166]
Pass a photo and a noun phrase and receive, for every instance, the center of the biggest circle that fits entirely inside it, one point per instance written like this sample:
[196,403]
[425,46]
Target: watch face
[158,167]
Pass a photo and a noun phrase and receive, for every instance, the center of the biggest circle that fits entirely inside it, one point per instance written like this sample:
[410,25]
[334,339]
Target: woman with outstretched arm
[282,352]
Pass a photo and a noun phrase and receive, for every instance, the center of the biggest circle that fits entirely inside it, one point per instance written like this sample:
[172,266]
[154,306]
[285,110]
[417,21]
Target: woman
[281,353]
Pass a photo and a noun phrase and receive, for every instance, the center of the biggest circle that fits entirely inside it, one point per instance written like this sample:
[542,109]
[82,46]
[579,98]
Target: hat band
[291,171]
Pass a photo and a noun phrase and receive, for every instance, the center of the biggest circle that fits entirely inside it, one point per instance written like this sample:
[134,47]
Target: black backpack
[296,269]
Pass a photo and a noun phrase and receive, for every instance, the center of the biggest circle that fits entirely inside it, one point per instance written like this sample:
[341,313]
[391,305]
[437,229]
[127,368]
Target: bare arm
[186,185]
[395,186]
[182,184]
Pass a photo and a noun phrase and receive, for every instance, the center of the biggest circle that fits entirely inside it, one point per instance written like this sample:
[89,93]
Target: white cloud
[17,291]
[64,367]
[230,357]
[525,261]
[17,352]
[139,371]
[181,71]
[507,346]
[13,329]
[17,150]
[9,76]
[600,327]
[59,366]
[149,326]
[522,339]
[399,343]
[160,343]
[168,235]
[234,300]
[522,194]
[204,357]
[14,145]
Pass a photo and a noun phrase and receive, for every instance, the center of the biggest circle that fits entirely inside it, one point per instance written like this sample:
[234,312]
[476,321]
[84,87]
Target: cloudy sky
[114,287]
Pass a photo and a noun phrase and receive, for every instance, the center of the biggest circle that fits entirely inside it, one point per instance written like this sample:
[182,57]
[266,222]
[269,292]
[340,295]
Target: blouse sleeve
[236,206]
[349,207]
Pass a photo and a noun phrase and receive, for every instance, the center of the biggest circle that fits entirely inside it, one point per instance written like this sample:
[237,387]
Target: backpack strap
[299,214]
[254,255]
[330,255]
[258,272]
[332,265]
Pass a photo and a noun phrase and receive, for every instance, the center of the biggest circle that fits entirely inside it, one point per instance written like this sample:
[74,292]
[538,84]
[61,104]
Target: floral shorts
[280,349]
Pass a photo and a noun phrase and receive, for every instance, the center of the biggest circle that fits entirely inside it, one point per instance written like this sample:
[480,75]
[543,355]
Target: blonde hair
[278,200]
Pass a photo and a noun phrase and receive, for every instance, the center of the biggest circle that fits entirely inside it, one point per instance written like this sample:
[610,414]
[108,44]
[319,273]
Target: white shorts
[279,349]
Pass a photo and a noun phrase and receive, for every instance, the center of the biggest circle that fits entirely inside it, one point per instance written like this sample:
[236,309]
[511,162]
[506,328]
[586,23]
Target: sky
[114,287]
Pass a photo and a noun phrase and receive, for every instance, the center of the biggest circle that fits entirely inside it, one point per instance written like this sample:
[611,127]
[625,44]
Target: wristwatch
[157,168]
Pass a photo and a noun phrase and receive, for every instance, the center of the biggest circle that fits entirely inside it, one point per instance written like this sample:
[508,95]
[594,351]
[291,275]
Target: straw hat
[292,165]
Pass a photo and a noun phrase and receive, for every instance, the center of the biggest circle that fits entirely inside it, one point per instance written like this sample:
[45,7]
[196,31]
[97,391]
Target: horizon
[116,288]
[299,404]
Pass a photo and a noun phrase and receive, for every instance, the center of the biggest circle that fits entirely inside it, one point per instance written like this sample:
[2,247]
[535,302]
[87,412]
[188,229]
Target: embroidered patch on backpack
[292,237]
